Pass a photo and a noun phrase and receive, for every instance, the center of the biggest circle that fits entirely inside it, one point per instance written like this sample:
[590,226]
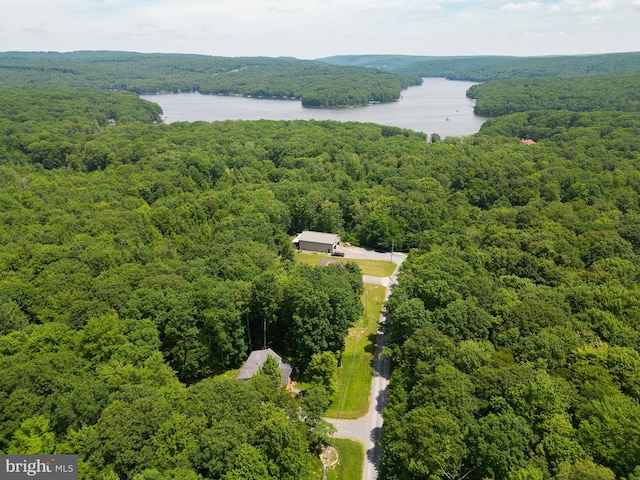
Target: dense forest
[618,92]
[315,84]
[514,334]
[487,68]
[138,261]
[133,268]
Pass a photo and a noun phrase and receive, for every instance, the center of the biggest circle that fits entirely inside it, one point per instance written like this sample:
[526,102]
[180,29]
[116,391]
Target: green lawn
[375,268]
[315,467]
[354,378]
[350,460]
[229,374]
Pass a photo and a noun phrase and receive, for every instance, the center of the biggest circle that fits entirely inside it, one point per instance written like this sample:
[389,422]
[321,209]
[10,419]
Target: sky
[309,29]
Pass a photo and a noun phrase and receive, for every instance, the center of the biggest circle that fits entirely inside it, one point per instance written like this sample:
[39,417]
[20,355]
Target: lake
[437,106]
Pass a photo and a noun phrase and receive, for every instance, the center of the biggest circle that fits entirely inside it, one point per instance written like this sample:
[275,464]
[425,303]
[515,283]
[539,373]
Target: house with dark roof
[256,360]
[317,241]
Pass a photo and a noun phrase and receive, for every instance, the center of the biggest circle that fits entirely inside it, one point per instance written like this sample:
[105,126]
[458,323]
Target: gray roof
[256,360]
[319,237]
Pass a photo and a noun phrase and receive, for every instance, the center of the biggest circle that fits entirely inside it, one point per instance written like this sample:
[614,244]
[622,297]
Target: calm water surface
[437,106]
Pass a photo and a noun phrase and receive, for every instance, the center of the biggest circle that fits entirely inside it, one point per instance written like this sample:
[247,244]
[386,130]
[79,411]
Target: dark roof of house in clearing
[318,237]
[256,360]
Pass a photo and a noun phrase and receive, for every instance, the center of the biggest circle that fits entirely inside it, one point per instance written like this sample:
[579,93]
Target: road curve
[368,429]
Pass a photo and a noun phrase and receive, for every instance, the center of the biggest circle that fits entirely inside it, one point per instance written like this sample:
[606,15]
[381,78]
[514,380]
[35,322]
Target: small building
[527,141]
[256,360]
[317,241]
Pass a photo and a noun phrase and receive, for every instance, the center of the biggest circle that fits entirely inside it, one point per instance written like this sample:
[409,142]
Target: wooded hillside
[315,84]
[487,68]
[612,92]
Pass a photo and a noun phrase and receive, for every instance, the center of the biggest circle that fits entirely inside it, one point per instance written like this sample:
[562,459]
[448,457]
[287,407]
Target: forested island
[138,260]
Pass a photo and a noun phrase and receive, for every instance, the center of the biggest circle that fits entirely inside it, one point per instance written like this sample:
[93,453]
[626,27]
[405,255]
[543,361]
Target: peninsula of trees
[606,92]
[315,84]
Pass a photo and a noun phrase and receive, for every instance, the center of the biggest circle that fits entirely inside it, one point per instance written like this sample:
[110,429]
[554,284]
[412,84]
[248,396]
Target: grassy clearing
[375,268]
[350,460]
[315,467]
[229,374]
[354,378]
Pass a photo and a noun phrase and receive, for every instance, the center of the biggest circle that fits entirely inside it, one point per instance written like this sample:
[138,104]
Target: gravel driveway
[368,429]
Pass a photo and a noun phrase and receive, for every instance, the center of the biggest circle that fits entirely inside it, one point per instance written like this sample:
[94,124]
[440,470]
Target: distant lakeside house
[317,241]
[256,360]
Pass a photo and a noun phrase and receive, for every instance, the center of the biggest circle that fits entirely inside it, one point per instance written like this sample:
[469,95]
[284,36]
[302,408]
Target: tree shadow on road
[381,401]
[375,453]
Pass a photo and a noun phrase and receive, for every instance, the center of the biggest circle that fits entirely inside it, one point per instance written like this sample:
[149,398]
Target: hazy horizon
[313,29]
[347,54]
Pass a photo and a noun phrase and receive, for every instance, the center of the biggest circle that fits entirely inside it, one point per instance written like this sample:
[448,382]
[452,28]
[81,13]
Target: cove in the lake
[437,106]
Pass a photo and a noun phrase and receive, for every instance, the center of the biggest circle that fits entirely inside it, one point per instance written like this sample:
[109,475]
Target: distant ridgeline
[487,68]
[315,84]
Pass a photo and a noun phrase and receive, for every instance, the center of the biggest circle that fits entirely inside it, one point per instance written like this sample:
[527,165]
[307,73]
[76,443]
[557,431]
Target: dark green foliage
[515,316]
[316,400]
[318,311]
[322,370]
[83,110]
[500,443]
[134,257]
[428,442]
[271,371]
[578,94]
